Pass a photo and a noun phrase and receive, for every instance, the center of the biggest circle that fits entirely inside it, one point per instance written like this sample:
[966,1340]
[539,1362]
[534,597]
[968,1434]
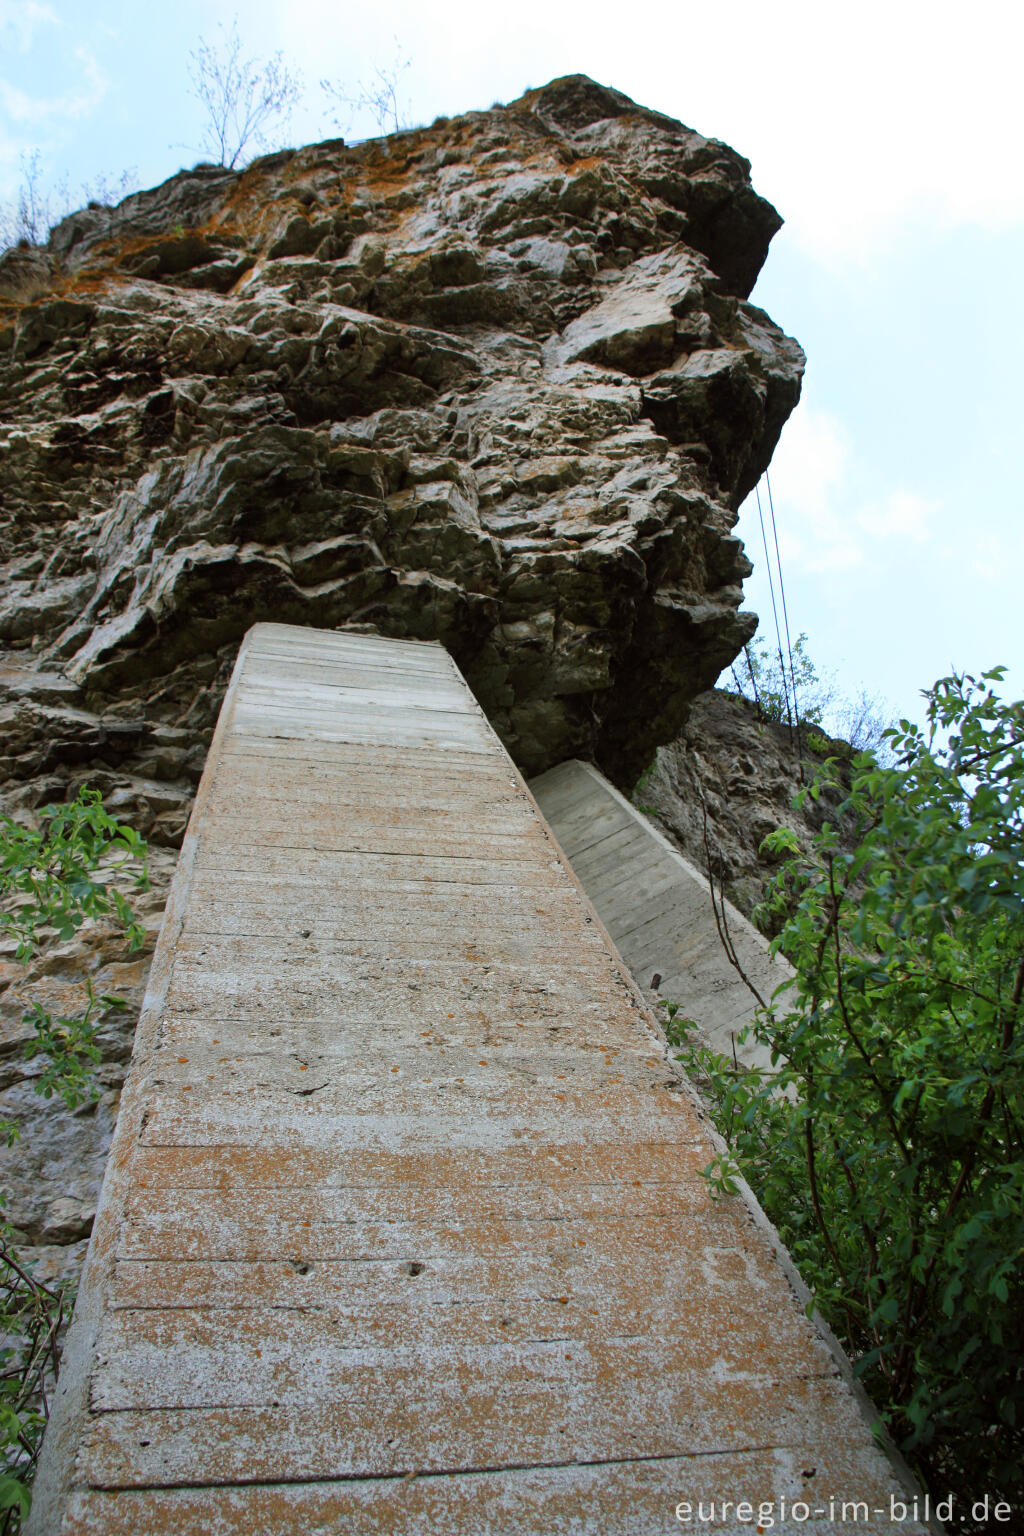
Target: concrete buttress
[403,1227]
[658,910]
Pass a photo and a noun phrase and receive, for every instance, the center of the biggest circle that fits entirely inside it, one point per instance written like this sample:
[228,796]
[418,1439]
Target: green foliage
[762,676]
[640,786]
[47,873]
[52,879]
[32,1316]
[889,1147]
[68,1048]
[752,1116]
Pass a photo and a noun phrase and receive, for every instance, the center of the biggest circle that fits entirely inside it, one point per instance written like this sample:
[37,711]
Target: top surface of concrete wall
[657,908]
[403,1227]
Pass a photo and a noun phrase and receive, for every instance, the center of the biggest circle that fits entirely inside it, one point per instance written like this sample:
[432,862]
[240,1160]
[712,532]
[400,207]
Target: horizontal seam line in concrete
[325,1019]
[615,832]
[267,848]
[435,880]
[276,729]
[431,957]
[138,1218]
[377,853]
[485,1470]
[336,937]
[137,1222]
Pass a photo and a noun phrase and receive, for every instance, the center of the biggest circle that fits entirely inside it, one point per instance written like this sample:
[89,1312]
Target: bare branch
[245,99]
[720,911]
[378,96]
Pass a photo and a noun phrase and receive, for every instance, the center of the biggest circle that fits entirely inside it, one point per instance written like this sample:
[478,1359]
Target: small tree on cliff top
[243,98]
[377,94]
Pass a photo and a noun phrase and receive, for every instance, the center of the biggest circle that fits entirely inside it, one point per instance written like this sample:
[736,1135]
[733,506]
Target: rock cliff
[732,778]
[492,382]
[495,382]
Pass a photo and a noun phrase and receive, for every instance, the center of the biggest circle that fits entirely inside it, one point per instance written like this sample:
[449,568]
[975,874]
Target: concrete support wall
[403,1228]
[657,908]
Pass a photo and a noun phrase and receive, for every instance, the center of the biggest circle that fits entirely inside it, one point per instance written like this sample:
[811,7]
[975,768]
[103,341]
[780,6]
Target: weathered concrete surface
[495,383]
[657,908]
[403,1228]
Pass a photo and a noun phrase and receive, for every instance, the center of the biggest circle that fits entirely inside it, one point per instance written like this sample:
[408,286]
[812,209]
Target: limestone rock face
[734,779]
[492,382]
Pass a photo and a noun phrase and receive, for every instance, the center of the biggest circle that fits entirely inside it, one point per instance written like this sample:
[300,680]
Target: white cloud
[860,121]
[20,19]
[21,107]
[812,458]
[900,514]
[808,472]
[823,525]
[994,553]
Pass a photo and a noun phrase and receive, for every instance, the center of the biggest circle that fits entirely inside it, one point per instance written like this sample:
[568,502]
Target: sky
[891,139]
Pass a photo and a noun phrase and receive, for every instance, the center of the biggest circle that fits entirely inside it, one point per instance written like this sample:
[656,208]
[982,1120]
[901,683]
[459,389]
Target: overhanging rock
[495,382]
[403,1227]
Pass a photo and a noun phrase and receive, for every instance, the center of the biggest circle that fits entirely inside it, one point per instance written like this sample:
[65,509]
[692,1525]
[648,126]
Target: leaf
[904,1038]
[14,1495]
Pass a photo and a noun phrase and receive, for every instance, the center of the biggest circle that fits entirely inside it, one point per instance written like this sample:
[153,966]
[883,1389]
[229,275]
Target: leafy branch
[54,877]
[860,719]
[887,1145]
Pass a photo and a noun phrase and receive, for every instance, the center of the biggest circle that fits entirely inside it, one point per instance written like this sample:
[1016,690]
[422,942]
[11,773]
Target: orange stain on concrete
[496,1298]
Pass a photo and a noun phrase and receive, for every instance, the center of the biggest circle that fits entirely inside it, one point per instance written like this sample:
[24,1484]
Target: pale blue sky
[889,136]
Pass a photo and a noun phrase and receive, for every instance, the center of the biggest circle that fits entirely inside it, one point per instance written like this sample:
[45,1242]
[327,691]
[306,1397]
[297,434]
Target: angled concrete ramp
[403,1228]
[657,908]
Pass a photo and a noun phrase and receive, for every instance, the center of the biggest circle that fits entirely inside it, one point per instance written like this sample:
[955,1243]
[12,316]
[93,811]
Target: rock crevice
[493,382]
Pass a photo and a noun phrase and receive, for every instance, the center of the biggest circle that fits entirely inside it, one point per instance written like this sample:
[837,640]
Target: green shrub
[782,692]
[52,878]
[895,1172]
[762,675]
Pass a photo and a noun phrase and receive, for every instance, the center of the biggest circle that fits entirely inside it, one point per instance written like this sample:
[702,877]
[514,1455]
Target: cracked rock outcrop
[495,382]
[728,780]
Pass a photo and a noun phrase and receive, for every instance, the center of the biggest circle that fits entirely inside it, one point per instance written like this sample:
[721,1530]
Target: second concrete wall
[657,908]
